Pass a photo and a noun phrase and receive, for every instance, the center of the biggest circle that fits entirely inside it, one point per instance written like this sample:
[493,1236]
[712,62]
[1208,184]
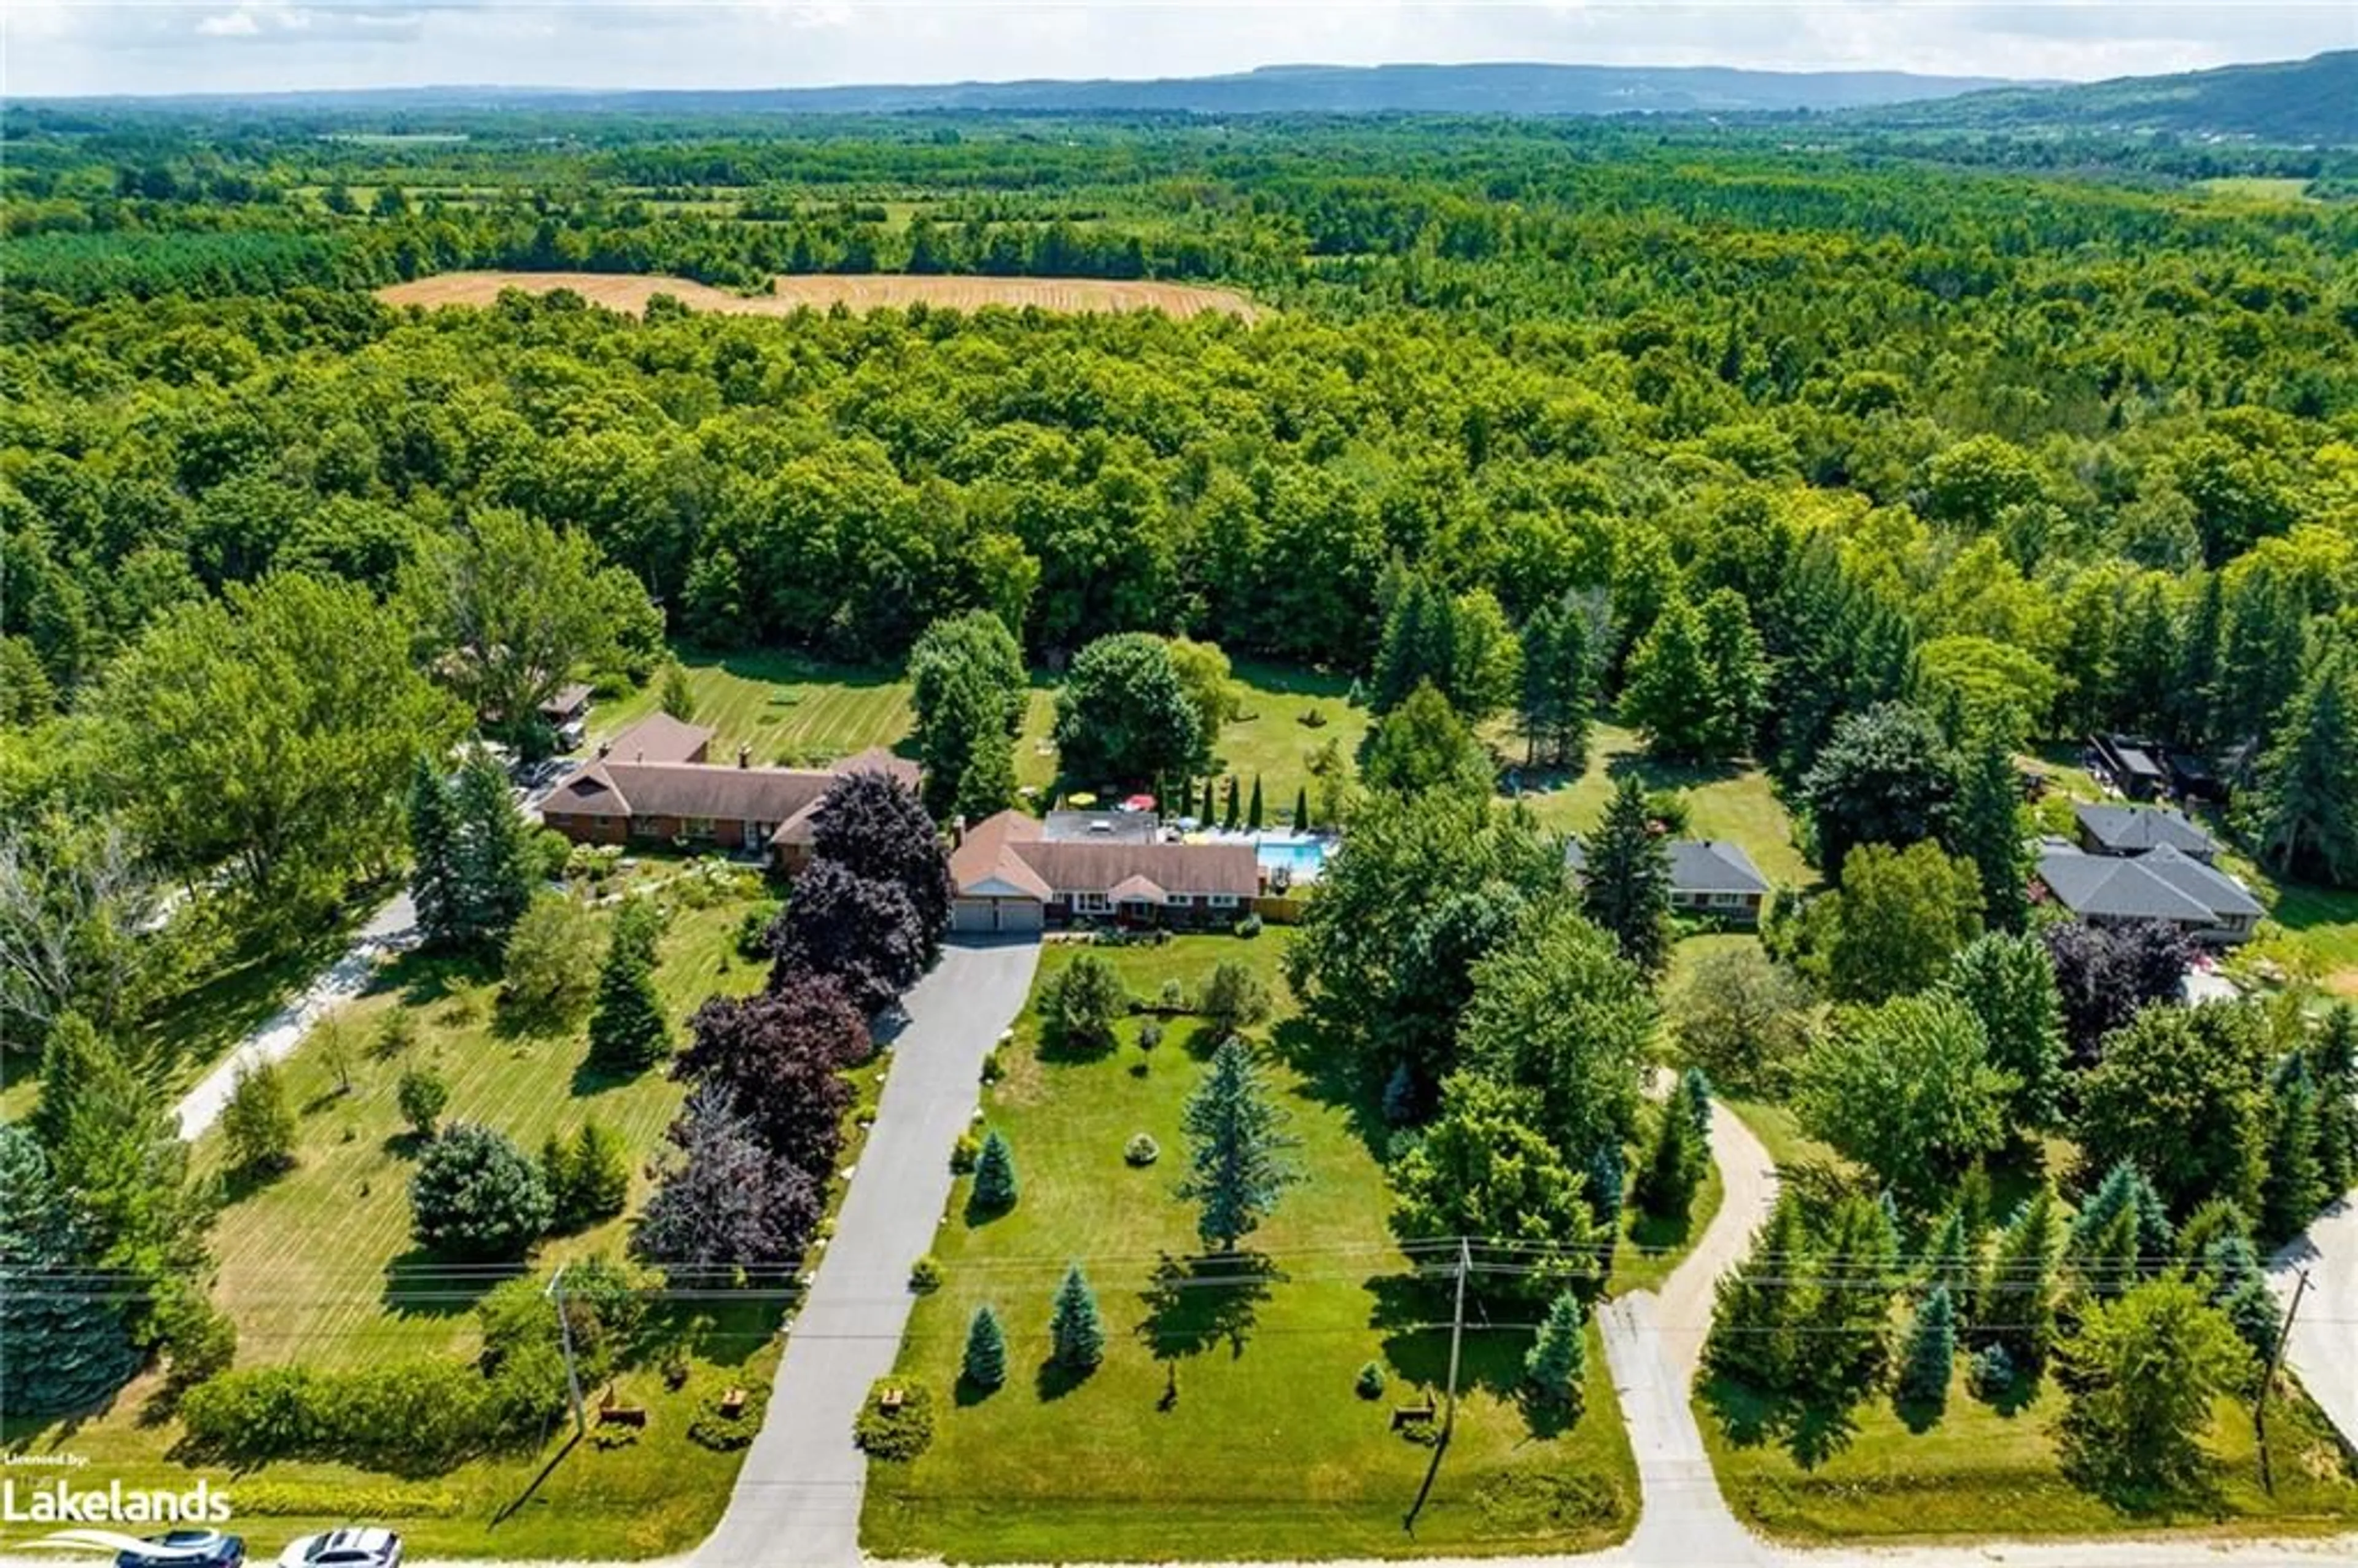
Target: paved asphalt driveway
[2324,1344]
[797,1497]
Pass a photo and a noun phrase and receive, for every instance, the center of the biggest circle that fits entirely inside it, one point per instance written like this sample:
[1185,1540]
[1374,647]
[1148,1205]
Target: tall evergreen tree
[1738,669]
[2193,692]
[2294,1188]
[1757,1305]
[74,1063]
[2305,810]
[1987,827]
[1625,879]
[628,1030]
[1675,1167]
[1228,818]
[2019,1295]
[1075,1332]
[2261,659]
[494,851]
[1419,644]
[2333,1063]
[1253,812]
[1301,808]
[1559,695]
[2120,1234]
[984,1364]
[1238,1149]
[1556,1366]
[1932,1353]
[1670,694]
[63,1348]
[434,879]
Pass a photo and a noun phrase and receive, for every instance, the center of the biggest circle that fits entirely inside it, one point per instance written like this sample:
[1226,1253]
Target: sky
[72,47]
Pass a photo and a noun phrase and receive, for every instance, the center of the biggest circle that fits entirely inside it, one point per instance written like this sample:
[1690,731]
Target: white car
[357,1546]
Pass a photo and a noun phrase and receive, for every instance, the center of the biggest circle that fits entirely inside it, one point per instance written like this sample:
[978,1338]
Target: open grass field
[316,1266]
[885,291]
[789,709]
[1265,1450]
[1737,804]
[1979,1473]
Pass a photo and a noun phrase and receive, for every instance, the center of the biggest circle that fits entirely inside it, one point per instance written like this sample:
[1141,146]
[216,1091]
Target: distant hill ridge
[2310,100]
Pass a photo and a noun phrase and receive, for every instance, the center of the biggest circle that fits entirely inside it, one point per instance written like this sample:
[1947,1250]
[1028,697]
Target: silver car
[357,1546]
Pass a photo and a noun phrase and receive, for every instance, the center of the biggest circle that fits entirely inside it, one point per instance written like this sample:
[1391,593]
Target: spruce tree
[493,853]
[1252,812]
[1666,1188]
[1694,1094]
[2304,812]
[2019,1297]
[1987,828]
[2262,658]
[1075,1332]
[1671,696]
[1738,670]
[1932,1353]
[2121,1233]
[2238,1286]
[985,1363]
[1556,1366]
[628,1031]
[1626,878]
[60,1352]
[2293,1190]
[995,1187]
[2333,1063]
[434,878]
[1239,1155]
[75,1062]
[2193,689]
[1948,1257]
[1757,1307]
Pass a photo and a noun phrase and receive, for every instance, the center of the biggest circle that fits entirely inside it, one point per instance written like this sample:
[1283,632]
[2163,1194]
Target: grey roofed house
[2164,884]
[2134,829]
[1709,876]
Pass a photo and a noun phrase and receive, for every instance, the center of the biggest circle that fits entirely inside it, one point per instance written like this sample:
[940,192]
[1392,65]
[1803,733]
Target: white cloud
[64,46]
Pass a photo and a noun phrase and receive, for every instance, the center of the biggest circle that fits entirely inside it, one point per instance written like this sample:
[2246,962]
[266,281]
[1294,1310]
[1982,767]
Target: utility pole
[1458,1332]
[556,1293]
[2267,1380]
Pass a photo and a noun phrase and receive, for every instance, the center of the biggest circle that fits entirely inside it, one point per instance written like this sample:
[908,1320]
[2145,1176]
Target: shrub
[549,854]
[588,1176]
[1142,1149]
[476,1197]
[1235,997]
[1079,1007]
[963,1154]
[396,1032]
[422,1096]
[1172,997]
[1249,927]
[550,967]
[753,930]
[264,1412]
[993,1068]
[712,1428]
[925,1274]
[1990,1375]
[1370,1383]
[200,1340]
[902,1432]
[258,1123]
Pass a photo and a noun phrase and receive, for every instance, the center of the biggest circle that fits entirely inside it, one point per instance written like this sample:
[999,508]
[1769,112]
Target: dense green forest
[2085,447]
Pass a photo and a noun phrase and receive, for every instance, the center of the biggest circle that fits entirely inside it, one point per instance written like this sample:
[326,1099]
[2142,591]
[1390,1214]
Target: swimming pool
[1301,857]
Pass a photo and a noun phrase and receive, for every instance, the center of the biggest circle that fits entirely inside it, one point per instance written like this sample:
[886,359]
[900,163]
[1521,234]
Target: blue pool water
[1302,857]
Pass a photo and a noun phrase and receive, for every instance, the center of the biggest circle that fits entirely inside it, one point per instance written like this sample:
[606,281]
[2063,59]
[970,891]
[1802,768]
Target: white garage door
[975,914]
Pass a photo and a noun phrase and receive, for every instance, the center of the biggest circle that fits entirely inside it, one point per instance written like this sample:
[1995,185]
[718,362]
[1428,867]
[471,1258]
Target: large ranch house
[655,783]
[1017,872]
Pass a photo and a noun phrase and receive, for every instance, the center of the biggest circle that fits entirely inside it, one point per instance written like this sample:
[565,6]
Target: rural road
[2324,1344]
[798,1498]
[391,928]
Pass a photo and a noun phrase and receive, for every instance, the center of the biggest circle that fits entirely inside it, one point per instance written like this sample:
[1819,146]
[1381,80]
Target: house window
[700,828]
[601,821]
[1181,900]
[1091,903]
[1728,900]
[1222,900]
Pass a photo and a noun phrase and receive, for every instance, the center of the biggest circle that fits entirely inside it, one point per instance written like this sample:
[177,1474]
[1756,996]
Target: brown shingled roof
[1008,848]
[659,738]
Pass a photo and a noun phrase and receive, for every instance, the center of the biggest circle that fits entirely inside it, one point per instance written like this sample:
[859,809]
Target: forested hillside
[2310,100]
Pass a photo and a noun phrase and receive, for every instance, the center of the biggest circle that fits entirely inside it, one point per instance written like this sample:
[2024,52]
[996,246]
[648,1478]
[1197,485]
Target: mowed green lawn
[1223,1423]
[1735,803]
[789,709]
[1978,1472]
[316,1266]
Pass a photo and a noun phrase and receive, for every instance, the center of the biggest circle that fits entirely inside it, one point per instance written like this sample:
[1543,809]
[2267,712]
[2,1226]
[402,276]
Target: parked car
[356,1546]
[187,1549]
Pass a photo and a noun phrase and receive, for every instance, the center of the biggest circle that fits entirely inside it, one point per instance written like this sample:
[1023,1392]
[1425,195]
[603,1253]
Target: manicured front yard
[1223,1423]
[317,1266]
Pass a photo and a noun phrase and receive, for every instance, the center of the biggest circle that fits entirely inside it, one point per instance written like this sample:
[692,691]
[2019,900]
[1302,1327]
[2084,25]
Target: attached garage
[983,915]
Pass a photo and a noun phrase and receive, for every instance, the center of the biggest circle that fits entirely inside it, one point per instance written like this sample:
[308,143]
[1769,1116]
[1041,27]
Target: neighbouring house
[651,784]
[1016,873]
[1708,877]
[2135,830]
[2132,764]
[567,713]
[2164,883]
